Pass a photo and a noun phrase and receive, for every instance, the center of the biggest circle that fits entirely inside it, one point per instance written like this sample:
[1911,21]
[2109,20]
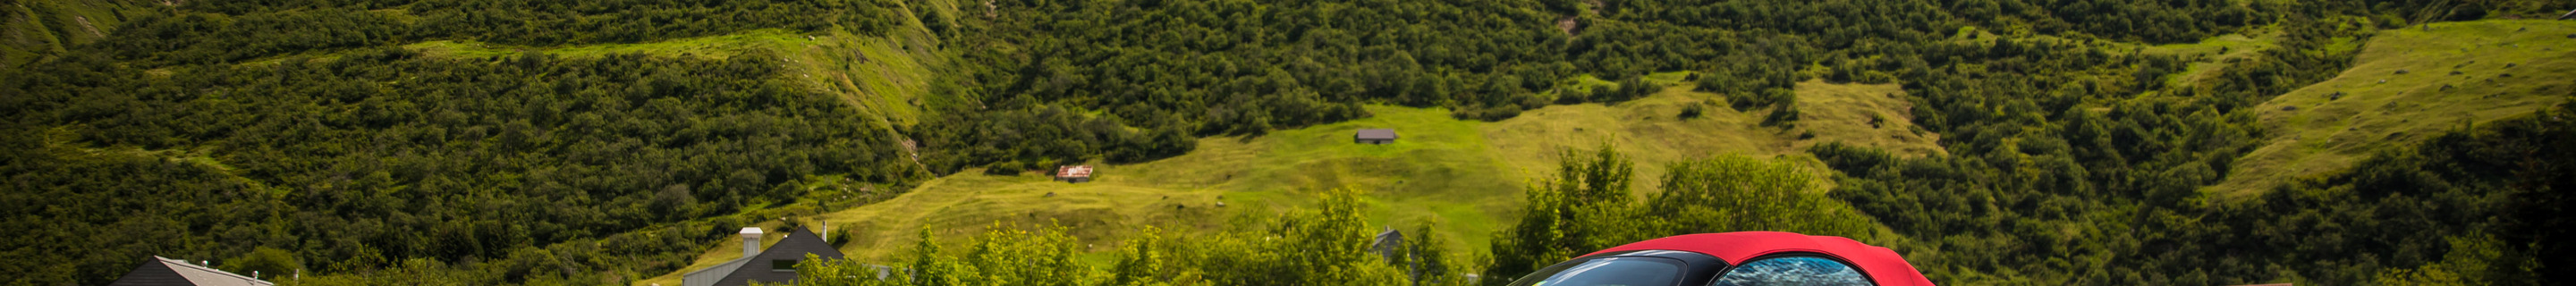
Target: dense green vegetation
[381,155]
[481,170]
[2045,184]
[230,31]
[2485,195]
[1245,67]
[31,31]
[1587,207]
[1328,245]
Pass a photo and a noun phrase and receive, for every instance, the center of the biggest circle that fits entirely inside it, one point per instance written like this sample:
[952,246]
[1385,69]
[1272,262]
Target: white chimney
[750,241]
[827,231]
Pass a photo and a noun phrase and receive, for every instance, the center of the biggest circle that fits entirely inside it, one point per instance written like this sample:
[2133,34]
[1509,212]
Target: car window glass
[1608,271]
[1792,270]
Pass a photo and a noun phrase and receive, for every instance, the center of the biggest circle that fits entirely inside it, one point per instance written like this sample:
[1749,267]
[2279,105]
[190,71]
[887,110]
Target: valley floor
[1465,175]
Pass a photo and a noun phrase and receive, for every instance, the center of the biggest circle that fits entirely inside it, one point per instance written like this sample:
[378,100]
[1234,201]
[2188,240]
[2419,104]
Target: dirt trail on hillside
[1570,25]
[93,29]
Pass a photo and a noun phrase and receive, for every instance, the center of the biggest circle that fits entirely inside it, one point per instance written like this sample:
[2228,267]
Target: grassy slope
[2381,109]
[881,75]
[1439,169]
[1650,128]
[30,29]
[2210,54]
[1466,175]
[887,77]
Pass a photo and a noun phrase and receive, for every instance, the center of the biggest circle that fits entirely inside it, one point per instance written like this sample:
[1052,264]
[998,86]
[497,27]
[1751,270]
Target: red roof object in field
[1076,171]
[1880,264]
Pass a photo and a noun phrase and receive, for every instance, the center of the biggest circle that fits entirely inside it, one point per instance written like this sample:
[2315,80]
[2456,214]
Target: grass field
[884,76]
[2503,68]
[2209,55]
[1465,175]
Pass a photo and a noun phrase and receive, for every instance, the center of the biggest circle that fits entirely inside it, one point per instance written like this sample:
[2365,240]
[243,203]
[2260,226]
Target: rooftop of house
[202,275]
[1073,171]
[1378,133]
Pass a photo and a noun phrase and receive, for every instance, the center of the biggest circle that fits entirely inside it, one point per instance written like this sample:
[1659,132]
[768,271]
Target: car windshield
[1794,270]
[1607,271]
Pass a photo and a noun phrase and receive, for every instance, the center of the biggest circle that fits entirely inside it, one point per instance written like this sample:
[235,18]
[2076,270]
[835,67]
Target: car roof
[1880,264]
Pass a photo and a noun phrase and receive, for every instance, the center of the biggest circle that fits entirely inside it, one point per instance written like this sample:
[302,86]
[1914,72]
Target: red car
[1734,258]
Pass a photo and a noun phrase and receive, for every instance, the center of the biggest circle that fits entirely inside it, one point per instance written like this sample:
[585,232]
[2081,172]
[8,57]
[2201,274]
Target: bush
[1585,207]
[1005,168]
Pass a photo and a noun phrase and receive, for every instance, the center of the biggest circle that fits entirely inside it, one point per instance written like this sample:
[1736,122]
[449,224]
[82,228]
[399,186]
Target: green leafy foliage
[216,128]
[2046,185]
[382,156]
[228,31]
[265,262]
[1586,208]
[1326,245]
[188,38]
[1040,138]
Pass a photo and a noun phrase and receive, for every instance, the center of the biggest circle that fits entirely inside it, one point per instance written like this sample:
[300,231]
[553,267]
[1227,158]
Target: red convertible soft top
[1880,264]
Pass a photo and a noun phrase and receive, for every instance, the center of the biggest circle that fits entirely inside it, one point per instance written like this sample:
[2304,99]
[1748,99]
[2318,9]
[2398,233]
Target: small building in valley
[1389,243]
[159,271]
[1073,173]
[777,265]
[1374,136]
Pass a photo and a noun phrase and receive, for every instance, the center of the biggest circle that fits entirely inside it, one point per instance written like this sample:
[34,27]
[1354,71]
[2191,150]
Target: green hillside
[523,142]
[2406,86]
[33,30]
[521,115]
[1461,173]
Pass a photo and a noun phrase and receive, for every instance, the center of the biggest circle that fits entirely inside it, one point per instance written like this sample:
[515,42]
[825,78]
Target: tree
[265,262]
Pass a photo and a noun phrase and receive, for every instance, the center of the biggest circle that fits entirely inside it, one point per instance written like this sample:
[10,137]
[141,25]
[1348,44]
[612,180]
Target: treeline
[1329,244]
[336,154]
[1244,67]
[207,38]
[527,22]
[207,32]
[1041,138]
[2478,205]
[1587,207]
[1584,208]
[2071,165]
[381,155]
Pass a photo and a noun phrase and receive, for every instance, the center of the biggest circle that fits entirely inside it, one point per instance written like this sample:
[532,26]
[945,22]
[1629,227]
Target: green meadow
[2405,86]
[1464,175]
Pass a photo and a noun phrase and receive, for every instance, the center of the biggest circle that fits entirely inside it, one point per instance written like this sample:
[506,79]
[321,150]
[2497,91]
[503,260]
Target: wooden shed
[1374,136]
[1073,173]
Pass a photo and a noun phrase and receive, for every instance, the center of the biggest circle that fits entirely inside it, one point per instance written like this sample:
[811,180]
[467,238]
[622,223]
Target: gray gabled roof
[798,242]
[723,268]
[1377,133]
[188,274]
